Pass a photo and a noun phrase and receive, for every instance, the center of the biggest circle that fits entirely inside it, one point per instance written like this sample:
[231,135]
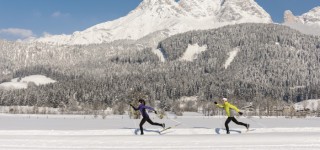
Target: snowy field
[22,83]
[119,132]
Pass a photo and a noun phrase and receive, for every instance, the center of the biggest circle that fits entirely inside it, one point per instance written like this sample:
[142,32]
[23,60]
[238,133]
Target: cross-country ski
[165,129]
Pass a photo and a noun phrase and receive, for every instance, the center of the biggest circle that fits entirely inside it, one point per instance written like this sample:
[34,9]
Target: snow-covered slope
[175,17]
[312,104]
[22,83]
[312,17]
[192,52]
[232,55]
[242,11]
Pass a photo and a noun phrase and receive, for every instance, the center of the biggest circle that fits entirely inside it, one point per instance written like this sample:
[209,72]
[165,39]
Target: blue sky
[24,18]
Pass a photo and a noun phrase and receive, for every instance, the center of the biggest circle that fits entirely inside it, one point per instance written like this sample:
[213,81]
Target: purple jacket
[142,108]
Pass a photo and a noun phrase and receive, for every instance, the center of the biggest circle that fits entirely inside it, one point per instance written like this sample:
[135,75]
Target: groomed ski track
[264,141]
[35,132]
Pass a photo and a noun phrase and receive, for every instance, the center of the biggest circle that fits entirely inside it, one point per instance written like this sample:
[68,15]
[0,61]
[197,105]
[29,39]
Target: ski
[165,129]
[250,130]
[233,131]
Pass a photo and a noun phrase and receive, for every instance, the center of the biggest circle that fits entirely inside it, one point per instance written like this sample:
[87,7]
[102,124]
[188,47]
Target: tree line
[274,62]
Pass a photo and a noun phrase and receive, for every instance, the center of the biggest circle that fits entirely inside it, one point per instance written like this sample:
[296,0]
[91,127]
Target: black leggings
[144,119]
[235,121]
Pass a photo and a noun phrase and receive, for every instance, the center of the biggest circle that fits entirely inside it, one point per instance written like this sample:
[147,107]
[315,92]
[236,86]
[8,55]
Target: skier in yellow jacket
[226,105]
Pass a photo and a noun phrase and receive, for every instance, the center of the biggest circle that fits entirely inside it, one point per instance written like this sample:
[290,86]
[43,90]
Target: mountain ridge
[307,23]
[177,17]
[311,17]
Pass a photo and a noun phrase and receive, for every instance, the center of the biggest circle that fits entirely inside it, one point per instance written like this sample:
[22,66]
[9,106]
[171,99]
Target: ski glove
[215,103]
[240,113]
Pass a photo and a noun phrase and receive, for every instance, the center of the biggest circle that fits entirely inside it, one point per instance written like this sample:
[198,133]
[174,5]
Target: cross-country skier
[145,117]
[226,105]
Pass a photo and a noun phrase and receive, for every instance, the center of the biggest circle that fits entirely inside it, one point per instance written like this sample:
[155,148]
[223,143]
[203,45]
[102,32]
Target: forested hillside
[272,63]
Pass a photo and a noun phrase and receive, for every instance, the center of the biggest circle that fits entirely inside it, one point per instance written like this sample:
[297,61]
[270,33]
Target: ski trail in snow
[279,141]
[192,52]
[159,54]
[232,55]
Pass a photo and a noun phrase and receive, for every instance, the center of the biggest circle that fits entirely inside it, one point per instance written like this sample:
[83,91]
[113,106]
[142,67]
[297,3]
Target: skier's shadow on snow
[219,130]
[136,131]
[128,128]
[201,128]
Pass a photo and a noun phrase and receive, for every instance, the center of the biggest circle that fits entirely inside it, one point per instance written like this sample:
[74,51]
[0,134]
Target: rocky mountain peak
[290,18]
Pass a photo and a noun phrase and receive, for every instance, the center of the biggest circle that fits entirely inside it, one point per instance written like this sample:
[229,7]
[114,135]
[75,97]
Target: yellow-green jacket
[227,106]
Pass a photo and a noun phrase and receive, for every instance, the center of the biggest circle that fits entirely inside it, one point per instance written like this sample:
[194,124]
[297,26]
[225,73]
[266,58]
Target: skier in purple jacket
[145,117]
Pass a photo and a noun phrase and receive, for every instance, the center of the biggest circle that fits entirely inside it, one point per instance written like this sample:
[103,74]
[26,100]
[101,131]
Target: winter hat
[225,99]
[142,101]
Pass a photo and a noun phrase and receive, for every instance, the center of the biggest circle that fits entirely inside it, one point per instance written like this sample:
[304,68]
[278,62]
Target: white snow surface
[192,52]
[274,141]
[159,54]
[311,104]
[13,85]
[120,132]
[312,17]
[160,15]
[23,83]
[231,55]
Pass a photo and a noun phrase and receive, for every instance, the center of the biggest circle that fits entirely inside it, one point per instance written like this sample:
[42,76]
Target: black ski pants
[235,121]
[144,119]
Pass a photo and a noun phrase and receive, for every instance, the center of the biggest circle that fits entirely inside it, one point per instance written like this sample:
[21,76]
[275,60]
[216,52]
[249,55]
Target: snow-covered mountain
[308,23]
[311,18]
[167,15]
